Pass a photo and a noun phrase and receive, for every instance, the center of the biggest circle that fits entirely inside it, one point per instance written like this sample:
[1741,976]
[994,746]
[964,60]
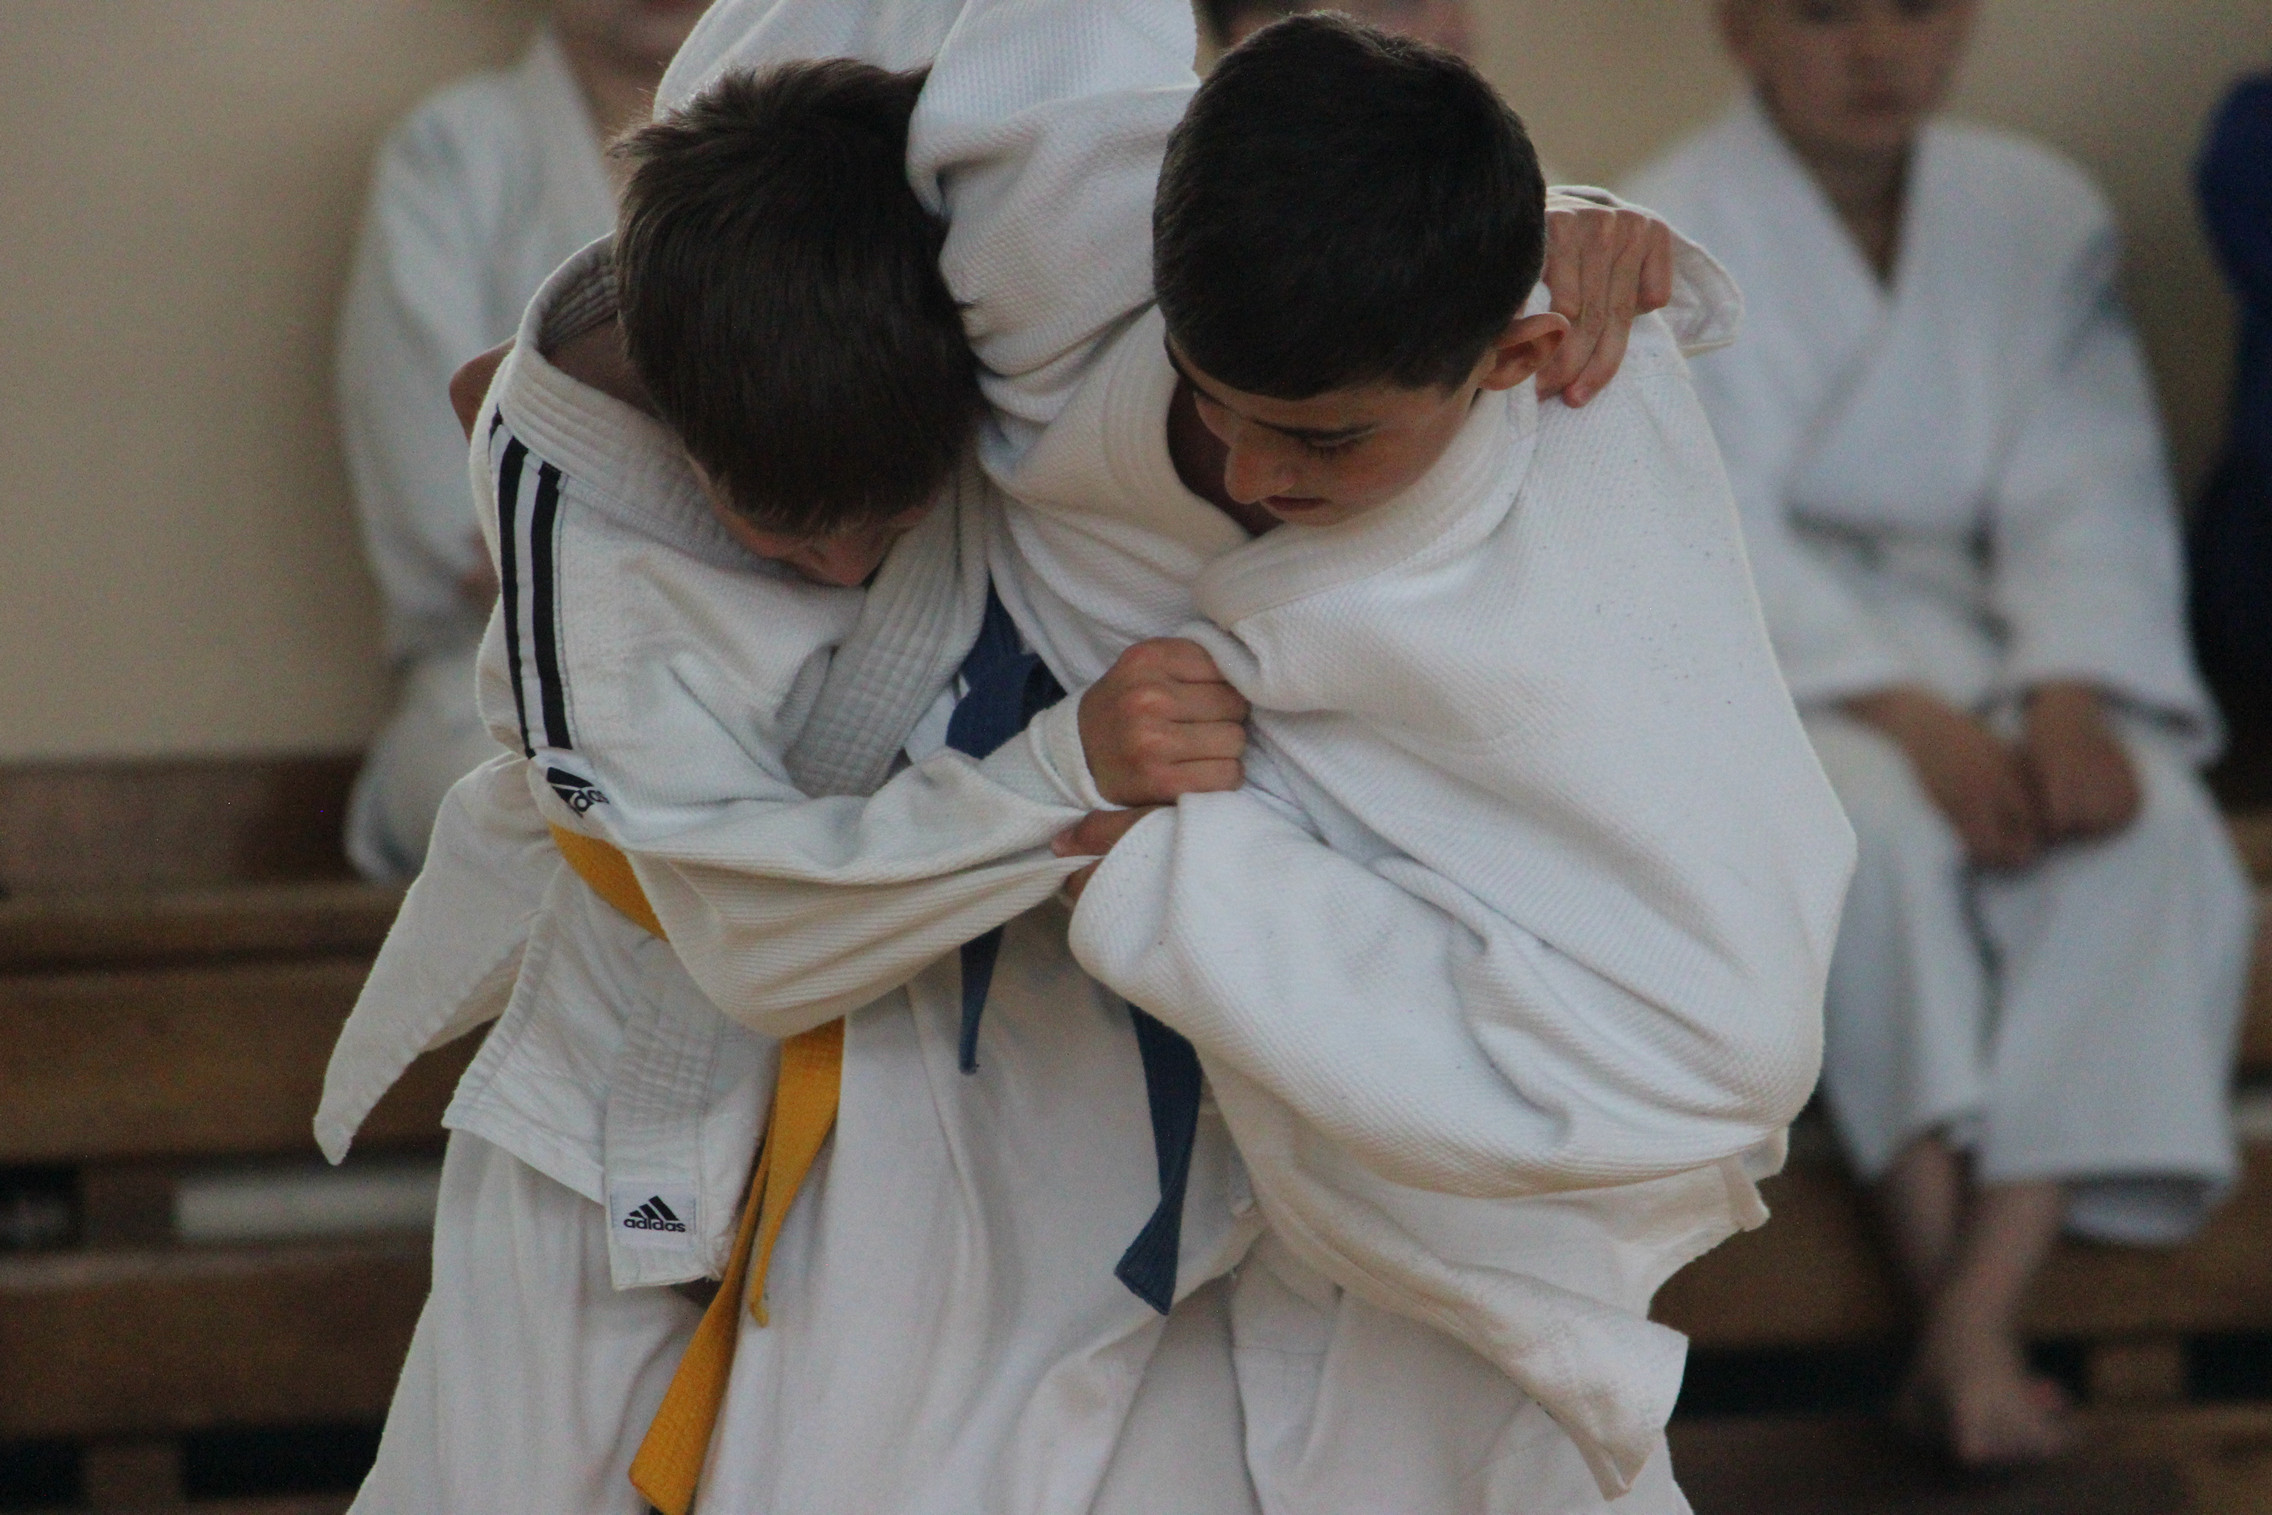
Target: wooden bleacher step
[146,1342]
[174,965]
[202,925]
[1816,1274]
[179,943]
[2197,1460]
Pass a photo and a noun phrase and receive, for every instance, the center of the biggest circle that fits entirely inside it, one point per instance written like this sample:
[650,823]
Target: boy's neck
[596,357]
[1868,190]
[1199,455]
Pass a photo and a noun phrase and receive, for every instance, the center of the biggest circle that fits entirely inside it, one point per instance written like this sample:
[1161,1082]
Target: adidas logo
[654,1215]
[580,794]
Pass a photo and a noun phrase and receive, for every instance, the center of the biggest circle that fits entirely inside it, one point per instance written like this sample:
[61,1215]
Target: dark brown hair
[1342,207]
[782,302]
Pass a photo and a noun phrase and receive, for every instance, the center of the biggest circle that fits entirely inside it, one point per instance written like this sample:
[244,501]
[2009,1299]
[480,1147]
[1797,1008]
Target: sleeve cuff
[1056,738]
[1047,763]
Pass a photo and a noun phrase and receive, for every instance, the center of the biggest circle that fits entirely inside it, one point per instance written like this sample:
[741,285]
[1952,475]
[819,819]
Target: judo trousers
[2071,1021]
[531,1379]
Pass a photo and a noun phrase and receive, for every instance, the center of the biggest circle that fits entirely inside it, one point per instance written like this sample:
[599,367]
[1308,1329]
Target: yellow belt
[804,1109]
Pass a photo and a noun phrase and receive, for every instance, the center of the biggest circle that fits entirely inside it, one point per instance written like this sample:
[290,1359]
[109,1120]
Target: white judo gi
[475,197]
[1958,481]
[1577,842]
[946,1332]
[611,1076]
[1668,1084]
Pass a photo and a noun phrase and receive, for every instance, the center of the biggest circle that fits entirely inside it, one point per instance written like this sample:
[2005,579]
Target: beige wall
[178,569]
[180,573]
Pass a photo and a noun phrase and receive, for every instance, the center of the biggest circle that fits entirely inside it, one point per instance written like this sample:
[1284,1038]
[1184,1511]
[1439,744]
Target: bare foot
[1976,1398]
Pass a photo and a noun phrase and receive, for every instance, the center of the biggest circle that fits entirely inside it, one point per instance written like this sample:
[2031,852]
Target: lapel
[1912,433]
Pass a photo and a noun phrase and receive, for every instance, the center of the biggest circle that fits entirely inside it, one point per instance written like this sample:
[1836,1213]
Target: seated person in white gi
[476,196]
[1944,445]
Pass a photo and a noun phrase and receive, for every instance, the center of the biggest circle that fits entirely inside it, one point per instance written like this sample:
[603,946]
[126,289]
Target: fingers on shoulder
[1657,267]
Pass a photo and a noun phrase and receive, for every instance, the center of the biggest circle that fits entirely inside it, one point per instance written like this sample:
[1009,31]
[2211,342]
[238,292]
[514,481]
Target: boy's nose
[1255,471]
[1881,39]
[844,563]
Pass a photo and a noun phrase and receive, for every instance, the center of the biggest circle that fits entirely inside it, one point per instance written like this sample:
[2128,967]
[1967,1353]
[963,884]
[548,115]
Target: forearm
[790,911]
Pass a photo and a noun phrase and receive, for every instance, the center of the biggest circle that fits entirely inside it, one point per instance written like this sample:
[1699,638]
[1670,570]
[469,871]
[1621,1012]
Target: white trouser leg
[531,1380]
[1350,1408]
[2121,965]
[433,738]
[1906,1015]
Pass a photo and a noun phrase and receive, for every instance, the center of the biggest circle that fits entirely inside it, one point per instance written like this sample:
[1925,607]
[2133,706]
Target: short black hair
[781,297]
[1342,207]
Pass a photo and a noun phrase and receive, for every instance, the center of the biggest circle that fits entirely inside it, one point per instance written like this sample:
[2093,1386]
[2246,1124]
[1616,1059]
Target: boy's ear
[1526,346]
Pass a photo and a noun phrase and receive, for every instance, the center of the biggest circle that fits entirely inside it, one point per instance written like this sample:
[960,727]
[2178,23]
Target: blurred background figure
[477,195]
[2232,535]
[1444,23]
[1944,443]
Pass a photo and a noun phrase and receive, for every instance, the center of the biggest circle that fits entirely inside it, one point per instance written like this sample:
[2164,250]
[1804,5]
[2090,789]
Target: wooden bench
[1817,1278]
[178,946]
[180,943]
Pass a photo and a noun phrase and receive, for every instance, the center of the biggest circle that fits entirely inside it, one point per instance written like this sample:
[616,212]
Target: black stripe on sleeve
[509,574]
[543,620]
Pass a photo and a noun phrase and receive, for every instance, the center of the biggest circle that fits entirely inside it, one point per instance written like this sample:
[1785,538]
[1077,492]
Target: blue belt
[1007,686]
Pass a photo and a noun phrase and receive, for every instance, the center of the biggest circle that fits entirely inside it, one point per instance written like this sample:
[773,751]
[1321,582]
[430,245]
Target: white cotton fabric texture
[1958,481]
[988,1211]
[991,284]
[1559,977]
[609,1072]
[530,1378]
[670,714]
[2071,1022]
[475,197]
[433,737]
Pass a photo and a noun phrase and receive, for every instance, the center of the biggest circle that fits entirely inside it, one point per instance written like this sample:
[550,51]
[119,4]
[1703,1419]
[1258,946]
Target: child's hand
[1605,268]
[1163,723]
[1093,836]
[1978,782]
[2084,782]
